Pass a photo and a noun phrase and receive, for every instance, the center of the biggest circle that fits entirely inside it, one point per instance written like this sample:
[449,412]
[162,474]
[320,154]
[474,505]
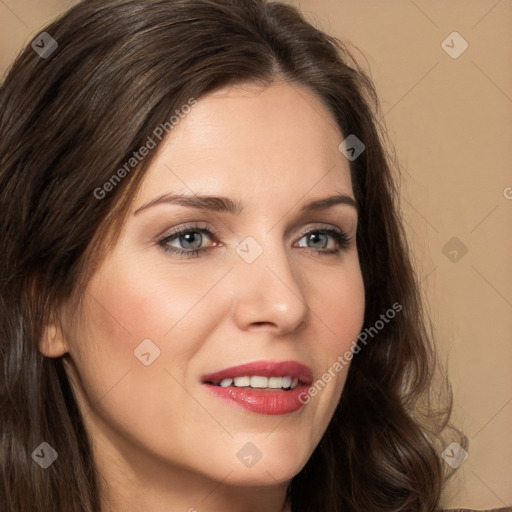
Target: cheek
[339,303]
[143,302]
[135,314]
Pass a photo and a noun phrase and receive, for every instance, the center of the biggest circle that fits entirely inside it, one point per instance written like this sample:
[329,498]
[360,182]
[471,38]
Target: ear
[53,342]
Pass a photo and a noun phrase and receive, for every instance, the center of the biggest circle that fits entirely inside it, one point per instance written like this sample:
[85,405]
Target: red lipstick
[265,400]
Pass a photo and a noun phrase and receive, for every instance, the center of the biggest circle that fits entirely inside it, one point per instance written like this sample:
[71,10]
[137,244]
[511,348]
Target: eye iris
[187,240]
[315,237]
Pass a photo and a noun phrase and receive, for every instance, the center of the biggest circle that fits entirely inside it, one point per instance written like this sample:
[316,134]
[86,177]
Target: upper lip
[264,369]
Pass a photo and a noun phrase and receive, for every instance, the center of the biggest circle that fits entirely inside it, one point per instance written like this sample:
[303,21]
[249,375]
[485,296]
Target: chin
[265,466]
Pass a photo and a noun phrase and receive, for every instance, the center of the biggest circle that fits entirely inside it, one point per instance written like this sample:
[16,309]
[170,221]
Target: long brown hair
[72,120]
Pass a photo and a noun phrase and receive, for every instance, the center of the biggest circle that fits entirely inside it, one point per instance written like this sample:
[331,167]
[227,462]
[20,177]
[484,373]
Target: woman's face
[269,286]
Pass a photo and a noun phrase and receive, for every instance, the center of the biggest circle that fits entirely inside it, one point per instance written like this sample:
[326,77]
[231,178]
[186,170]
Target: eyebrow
[226,205]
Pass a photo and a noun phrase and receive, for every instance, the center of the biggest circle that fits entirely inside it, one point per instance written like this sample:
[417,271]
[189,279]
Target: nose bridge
[269,288]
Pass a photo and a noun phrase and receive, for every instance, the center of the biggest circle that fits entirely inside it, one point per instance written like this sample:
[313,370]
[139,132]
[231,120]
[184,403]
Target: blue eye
[191,239]
[320,237]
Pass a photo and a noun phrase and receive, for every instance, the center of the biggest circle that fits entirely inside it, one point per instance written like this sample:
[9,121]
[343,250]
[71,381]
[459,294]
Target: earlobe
[53,343]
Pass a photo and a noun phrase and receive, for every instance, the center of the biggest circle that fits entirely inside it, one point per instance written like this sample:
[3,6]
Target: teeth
[241,382]
[275,382]
[259,382]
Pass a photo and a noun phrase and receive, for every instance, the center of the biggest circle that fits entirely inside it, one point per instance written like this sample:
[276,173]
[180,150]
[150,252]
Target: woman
[207,298]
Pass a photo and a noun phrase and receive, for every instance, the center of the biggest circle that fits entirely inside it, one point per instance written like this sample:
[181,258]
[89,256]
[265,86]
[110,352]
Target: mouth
[263,387]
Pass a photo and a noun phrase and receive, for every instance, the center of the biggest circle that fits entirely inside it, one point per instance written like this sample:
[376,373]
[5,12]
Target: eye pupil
[318,236]
[187,240]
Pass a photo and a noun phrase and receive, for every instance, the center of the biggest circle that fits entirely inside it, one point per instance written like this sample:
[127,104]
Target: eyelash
[339,236]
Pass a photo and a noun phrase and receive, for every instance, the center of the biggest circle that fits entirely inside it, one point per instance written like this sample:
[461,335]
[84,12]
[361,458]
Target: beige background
[451,122]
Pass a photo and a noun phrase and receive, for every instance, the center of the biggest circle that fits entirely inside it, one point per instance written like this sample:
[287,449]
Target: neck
[194,494]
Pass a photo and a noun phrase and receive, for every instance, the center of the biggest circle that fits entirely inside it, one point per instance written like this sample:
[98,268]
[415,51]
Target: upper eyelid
[185,229]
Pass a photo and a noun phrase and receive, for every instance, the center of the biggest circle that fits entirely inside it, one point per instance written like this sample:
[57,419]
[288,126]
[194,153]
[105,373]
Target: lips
[263,387]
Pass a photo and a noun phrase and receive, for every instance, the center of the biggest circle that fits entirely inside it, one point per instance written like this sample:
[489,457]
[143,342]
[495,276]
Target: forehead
[278,140]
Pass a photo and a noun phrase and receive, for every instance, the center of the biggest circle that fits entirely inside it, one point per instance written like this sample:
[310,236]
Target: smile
[262,387]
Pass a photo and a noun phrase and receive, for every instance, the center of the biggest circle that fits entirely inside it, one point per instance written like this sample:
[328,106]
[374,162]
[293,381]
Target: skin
[162,441]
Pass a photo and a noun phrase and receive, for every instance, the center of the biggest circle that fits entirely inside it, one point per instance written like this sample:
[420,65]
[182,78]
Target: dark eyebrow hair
[226,205]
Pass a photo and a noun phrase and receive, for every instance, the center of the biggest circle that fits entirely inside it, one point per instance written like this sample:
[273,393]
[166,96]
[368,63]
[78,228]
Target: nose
[270,293]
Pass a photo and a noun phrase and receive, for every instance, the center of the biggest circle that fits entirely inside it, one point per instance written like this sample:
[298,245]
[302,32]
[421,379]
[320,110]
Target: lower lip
[262,401]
